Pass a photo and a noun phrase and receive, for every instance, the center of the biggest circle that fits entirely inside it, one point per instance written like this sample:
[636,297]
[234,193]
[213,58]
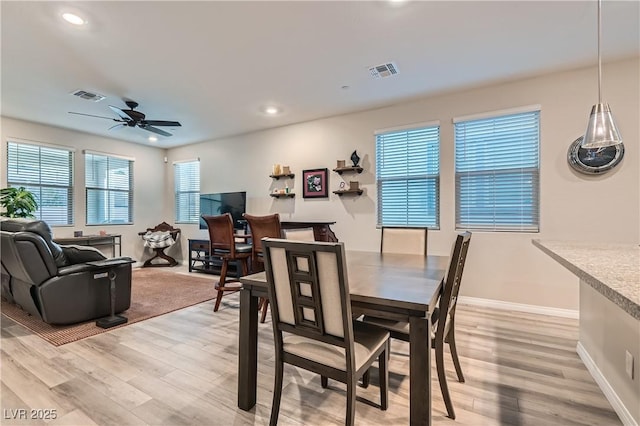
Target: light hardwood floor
[180,369]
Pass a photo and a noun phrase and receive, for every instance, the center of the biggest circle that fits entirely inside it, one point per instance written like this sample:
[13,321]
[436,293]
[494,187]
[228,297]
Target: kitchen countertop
[611,269]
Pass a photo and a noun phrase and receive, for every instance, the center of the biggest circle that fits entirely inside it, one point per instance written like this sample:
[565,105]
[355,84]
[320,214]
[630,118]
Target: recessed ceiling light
[271,110]
[153,139]
[73,19]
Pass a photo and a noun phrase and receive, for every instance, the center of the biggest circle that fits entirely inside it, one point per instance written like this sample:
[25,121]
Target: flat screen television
[224,202]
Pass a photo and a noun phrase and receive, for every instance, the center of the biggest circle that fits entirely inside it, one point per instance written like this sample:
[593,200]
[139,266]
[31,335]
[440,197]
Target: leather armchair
[54,282]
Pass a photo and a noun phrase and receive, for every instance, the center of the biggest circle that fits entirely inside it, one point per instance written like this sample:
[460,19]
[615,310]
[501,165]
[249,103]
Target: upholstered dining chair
[443,319]
[262,227]
[300,234]
[312,325]
[403,240]
[225,248]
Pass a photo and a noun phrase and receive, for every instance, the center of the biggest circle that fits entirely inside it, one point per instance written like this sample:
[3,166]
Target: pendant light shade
[601,130]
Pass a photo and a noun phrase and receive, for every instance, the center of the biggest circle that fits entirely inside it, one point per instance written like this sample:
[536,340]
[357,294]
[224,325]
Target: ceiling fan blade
[117,126]
[162,123]
[91,115]
[120,113]
[154,130]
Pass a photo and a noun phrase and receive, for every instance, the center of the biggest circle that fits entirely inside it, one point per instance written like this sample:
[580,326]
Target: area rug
[154,292]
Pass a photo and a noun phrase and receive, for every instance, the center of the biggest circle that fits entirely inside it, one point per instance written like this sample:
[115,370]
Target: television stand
[201,261]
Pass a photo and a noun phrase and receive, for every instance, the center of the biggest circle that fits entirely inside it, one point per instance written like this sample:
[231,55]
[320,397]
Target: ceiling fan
[131,118]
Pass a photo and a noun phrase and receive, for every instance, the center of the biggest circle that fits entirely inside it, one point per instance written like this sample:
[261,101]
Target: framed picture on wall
[315,183]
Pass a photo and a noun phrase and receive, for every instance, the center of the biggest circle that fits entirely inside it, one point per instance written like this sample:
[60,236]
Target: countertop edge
[614,296]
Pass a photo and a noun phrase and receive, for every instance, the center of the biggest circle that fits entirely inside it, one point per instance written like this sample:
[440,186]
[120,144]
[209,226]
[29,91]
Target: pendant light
[601,130]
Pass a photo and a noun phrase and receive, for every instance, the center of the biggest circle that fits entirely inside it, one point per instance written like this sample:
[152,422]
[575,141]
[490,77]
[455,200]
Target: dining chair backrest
[309,291]
[449,297]
[300,234]
[404,240]
[221,233]
[263,227]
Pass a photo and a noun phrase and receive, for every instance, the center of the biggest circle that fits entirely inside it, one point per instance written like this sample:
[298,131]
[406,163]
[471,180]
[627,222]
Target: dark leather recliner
[54,282]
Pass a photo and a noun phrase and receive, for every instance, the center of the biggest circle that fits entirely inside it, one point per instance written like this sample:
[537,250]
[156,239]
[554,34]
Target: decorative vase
[355,159]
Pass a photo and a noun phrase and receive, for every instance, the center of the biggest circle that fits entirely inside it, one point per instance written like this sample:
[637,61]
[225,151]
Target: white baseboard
[519,307]
[605,387]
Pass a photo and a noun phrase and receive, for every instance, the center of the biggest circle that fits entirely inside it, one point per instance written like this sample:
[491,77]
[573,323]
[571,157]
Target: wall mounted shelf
[290,176]
[285,195]
[348,192]
[341,170]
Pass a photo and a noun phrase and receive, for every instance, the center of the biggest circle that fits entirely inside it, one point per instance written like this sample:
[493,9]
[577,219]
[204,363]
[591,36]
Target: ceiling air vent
[384,70]
[83,94]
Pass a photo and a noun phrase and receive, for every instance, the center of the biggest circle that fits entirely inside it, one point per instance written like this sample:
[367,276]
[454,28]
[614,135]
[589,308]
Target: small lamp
[601,130]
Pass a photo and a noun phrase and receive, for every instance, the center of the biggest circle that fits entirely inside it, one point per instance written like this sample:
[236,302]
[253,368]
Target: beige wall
[148,173]
[501,266]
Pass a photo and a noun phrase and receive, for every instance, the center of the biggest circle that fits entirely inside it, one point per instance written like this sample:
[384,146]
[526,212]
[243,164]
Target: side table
[106,268]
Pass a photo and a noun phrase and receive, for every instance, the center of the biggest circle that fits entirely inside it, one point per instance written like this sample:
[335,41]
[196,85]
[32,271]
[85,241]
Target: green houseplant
[17,202]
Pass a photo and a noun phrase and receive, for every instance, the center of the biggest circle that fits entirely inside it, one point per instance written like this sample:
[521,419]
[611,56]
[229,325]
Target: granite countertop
[611,269]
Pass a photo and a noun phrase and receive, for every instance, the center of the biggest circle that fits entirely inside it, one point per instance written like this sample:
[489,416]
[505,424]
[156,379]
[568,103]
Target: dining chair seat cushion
[240,248]
[398,327]
[367,339]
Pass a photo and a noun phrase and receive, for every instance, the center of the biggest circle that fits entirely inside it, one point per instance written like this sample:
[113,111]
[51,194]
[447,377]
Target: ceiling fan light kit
[601,129]
[132,118]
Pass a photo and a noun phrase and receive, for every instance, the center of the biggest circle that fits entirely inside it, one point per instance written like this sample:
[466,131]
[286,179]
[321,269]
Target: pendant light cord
[599,56]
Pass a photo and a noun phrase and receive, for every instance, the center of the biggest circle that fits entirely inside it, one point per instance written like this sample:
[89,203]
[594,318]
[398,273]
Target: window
[187,191]
[48,173]
[108,182]
[497,172]
[408,177]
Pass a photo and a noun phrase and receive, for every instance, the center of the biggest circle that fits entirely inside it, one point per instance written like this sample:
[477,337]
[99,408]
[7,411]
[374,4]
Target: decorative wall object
[594,160]
[315,183]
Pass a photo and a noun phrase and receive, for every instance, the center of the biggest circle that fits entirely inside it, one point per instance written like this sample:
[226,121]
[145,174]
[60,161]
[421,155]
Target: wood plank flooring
[180,369]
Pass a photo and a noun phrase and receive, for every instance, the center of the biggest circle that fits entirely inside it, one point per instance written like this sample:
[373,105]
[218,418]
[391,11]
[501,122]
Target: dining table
[394,286]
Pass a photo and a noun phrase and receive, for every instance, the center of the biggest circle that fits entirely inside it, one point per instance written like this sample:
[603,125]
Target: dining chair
[225,248]
[403,240]
[312,325]
[262,227]
[300,234]
[442,319]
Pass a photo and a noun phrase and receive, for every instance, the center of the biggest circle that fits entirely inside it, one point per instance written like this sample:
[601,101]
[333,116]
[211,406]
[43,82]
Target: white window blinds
[497,172]
[48,173]
[408,177]
[109,182]
[187,191]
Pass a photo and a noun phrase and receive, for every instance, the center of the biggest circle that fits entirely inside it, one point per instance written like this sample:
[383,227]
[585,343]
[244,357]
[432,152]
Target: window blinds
[497,173]
[408,177]
[187,191]
[48,173]
[109,182]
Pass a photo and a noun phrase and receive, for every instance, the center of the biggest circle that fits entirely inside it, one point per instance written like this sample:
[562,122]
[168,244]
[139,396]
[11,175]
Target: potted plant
[17,202]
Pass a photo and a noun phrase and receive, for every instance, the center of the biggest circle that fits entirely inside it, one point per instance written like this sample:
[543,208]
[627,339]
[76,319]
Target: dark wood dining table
[394,286]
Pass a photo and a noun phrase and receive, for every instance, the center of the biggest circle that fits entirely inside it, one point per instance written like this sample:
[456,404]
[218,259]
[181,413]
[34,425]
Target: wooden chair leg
[383,371]
[366,378]
[351,401]
[223,278]
[454,354]
[324,381]
[265,308]
[442,378]
[277,393]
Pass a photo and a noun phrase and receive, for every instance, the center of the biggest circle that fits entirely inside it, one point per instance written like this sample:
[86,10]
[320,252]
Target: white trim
[605,387]
[406,127]
[186,161]
[492,114]
[106,154]
[38,143]
[519,307]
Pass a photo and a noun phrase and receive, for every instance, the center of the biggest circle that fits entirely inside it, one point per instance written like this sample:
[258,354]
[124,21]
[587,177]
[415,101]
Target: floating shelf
[341,170]
[349,192]
[290,176]
[286,195]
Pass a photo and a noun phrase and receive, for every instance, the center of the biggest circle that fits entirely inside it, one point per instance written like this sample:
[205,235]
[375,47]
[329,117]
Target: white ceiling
[214,65]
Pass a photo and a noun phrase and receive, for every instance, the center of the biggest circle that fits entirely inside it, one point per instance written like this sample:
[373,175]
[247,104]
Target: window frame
[37,188]
[111,193]
[431,178]
[177,192]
